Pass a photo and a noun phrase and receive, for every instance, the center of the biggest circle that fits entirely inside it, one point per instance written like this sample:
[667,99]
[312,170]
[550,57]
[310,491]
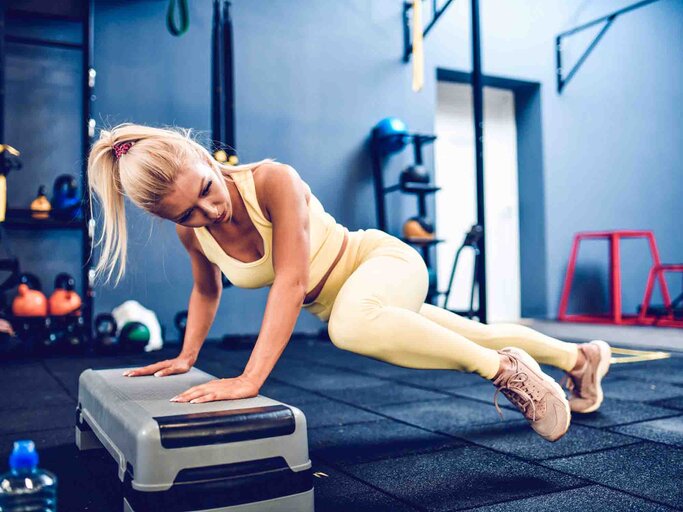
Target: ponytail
[104,180]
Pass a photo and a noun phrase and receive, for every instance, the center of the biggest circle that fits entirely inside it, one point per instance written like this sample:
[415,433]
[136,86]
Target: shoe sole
[603,368]
[530,361]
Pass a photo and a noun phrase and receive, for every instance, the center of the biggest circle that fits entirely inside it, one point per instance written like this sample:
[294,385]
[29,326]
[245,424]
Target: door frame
[530,170]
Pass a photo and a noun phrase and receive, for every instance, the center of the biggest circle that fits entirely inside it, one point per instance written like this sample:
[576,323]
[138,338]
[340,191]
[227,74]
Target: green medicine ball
[134,336]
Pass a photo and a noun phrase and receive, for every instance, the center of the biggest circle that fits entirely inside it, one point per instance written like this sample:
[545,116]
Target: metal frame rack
[21,218]
[421,190]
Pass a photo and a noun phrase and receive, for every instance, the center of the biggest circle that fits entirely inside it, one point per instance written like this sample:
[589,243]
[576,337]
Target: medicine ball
[414,174]
[391,134]
[134,337]
[65,197]
[418,227]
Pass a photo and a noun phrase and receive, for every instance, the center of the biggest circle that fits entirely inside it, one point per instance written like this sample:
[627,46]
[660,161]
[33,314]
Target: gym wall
[312,78]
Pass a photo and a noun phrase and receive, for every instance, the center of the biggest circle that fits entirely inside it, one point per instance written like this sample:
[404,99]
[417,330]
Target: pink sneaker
[538,396]
[583,383]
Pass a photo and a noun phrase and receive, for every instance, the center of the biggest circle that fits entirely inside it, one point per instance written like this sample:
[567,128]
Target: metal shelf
[422,241]
[24,218]
[413,188]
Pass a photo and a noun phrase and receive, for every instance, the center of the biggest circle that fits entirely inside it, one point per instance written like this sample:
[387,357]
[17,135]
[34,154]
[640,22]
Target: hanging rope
[635,356]
[418,51]
[183,14]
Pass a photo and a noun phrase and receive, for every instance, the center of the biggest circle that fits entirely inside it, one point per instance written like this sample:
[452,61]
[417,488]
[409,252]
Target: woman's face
[198,198]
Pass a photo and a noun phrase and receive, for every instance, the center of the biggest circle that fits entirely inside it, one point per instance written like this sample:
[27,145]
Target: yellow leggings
[373,302]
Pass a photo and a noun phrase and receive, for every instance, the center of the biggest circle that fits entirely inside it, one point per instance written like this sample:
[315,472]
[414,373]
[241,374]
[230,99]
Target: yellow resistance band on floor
[418,51]
[636,356]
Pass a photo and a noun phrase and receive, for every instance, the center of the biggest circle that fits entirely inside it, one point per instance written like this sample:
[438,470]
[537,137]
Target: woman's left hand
[219,389]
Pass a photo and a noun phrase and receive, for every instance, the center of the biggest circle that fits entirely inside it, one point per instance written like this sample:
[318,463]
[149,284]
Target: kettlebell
[66,333]
[180,321]
[106,341]
[30,310]
[65,200]
[414,174]
[418,227]
[30,301]
[64,300]
[40,206]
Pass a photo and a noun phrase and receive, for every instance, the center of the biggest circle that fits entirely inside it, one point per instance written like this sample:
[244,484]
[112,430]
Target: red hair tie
[122,148]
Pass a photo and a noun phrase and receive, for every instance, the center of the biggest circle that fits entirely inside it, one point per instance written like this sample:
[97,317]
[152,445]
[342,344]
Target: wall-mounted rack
[20,218]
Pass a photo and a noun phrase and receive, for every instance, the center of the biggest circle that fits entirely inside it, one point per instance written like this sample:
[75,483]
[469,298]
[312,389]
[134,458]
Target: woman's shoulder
[267,180]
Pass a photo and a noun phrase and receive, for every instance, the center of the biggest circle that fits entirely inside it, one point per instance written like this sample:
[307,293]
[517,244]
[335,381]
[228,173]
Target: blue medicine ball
[391,134]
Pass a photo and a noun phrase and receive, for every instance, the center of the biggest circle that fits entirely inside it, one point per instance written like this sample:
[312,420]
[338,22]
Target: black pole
[2,82]
[478,105]
[88,132]
[216,62]
[228,83]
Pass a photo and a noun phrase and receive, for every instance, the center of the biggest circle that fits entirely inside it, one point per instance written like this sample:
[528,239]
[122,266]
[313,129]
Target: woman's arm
[204,300]
[287,208]
[286,205]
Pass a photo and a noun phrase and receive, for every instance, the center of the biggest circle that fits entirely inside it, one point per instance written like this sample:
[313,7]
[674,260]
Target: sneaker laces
[518,395]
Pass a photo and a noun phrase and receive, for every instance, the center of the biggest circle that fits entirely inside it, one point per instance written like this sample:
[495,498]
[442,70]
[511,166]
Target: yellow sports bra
[326,237]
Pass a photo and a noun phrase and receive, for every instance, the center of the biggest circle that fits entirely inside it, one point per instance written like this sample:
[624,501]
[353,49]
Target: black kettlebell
[180,321]
[106,341]
[414,174]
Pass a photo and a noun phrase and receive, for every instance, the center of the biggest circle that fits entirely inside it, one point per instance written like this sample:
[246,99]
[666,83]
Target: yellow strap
[636,356]
[418,51]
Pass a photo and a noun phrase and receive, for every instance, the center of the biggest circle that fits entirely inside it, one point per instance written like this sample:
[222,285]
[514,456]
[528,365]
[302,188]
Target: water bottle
[25,487]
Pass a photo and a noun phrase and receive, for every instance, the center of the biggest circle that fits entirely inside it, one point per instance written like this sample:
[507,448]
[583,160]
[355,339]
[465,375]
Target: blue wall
[314,77]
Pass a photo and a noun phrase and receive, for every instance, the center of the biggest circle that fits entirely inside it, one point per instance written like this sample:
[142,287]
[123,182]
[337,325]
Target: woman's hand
[174,366]
[219,389]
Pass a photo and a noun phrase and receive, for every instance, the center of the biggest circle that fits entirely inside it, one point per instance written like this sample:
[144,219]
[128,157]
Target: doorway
[514,212]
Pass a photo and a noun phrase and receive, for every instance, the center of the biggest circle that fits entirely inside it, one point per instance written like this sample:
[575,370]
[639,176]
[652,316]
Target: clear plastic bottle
[25,487]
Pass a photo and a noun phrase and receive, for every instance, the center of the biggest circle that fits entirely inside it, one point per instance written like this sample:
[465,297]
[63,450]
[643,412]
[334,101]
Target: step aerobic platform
[247,455]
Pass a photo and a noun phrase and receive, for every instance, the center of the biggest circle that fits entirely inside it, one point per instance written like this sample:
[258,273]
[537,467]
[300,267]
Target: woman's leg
[542,348]
[376,314]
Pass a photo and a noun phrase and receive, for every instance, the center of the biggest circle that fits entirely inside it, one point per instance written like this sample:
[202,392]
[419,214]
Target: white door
[456,203]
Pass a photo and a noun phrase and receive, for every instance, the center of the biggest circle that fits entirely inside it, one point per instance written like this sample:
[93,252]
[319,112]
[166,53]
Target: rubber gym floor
[386,438]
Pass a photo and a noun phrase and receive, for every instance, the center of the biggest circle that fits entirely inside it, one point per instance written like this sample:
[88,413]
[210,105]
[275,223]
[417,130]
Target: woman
[260,224]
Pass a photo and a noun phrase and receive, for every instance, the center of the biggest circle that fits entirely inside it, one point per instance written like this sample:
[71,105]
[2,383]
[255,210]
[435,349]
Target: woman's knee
[349,327]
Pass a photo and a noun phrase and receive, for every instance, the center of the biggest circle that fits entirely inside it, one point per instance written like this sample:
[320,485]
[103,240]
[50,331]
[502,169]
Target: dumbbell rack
[21,218]
[420,190]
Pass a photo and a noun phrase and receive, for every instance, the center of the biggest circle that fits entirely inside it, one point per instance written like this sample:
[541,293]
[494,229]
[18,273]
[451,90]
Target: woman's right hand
[161,369]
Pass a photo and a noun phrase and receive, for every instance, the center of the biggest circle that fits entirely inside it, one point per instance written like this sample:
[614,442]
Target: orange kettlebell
[30,301]
[64,300]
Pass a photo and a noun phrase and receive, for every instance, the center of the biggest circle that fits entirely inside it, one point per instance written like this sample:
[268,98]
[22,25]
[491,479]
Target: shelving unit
[20,218]
[420,190]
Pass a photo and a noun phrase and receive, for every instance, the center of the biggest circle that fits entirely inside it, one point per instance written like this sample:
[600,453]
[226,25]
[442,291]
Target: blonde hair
[146,173]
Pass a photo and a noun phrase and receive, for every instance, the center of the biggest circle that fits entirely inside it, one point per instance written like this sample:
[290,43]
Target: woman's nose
[211,210]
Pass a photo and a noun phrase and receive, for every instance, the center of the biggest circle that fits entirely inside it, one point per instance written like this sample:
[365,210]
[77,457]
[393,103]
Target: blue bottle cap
[24,456]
